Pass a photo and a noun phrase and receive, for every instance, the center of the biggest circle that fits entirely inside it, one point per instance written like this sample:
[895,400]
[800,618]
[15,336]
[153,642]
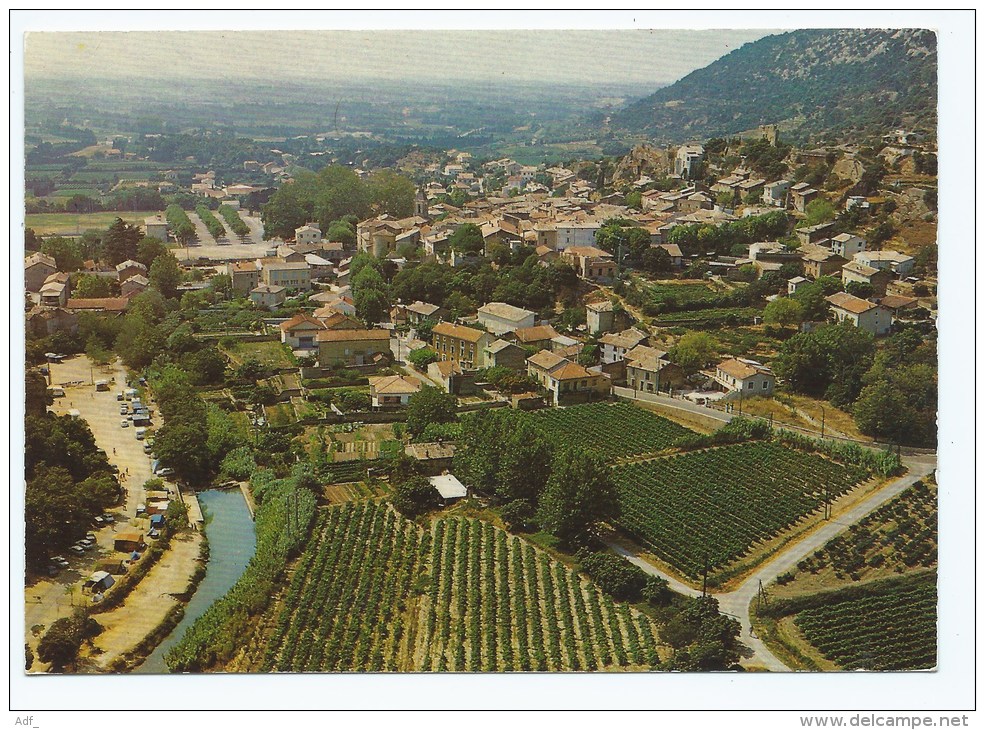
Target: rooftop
[448,329]
[394,385]
[505,311]
[844,300]
[448,486]
[351,335]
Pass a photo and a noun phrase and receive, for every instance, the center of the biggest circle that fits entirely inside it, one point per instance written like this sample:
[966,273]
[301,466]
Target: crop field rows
[892,630]
[900,535]
[612,431]
[464,596]
[720,502]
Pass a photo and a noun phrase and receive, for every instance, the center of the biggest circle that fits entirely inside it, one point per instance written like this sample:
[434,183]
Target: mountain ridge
[816,83]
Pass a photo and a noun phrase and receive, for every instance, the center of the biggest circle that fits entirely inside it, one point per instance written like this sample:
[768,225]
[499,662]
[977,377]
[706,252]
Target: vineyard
[611,431]
[899,536]
[235,223]
[892,627]
[464,596]
[211,222]
[719,503]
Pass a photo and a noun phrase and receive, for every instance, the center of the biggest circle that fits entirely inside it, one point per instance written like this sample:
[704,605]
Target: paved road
[736,603]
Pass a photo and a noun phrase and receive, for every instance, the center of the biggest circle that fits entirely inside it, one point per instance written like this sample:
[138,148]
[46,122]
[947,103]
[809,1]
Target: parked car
[99,521]
[119,396]
[124,410]
[108,518]
[87,542]
[124,423]
[148,448]
[54,570]
[59,560]
[77,550]
[91,536]
[165,472]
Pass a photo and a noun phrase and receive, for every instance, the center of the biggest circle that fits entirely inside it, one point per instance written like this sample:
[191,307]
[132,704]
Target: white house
[846,245]
[898,263]
[775,193]
[746,376]
[448,487]
[299,332]
[862,313]
[688,160]
[500,318]
[307,234]
[392,390]
[615,345]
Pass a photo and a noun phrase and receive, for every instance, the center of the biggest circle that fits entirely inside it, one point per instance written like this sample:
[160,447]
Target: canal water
[232,542]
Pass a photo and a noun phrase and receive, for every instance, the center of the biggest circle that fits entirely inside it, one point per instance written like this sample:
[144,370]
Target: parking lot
[51,598]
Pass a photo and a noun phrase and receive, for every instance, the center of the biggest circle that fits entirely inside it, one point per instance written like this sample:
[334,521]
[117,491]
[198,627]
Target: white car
[124,423]
[59,560]
[77,550]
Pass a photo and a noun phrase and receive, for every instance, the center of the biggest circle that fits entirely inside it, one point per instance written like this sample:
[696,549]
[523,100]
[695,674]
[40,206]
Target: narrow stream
[232,542]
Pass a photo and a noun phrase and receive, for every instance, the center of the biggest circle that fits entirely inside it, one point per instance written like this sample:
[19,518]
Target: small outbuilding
[450,489]
[99,581]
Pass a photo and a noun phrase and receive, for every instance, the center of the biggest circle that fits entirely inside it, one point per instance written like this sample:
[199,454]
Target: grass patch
[72,224]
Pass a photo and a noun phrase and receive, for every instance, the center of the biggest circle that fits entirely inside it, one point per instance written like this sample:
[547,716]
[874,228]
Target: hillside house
[244,275]
[156,227]
[503,354]
[797,282]
[600,317]
[351,347]
[392,390]
[591,263]
[55,290]
[802,195]
[899,263]
[776,193]
[128,268]
[463,345]
[813,234]
[299,332]
[675,253]
[688,159]
[649,370]
[134,285]
[861,313]
[615,345]
[846,245]
[821,262]
[564,380]
[500,318]
[876,278]
[288,275]
[539,337]
[268,296]
[309,234]
[748,377]
[452,377]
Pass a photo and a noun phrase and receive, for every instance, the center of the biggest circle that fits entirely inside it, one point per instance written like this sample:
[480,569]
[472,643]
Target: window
[751,384]
[766,384]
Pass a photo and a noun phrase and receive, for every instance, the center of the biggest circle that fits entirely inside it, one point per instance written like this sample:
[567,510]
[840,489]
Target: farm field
[888,625]
[684,295]
[462,596]
[712,316]
[899,537]
[73,224]
[719,503]
[612,431]
[271,353]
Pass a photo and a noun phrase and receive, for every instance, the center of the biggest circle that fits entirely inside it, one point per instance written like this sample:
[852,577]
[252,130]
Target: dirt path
[146,607]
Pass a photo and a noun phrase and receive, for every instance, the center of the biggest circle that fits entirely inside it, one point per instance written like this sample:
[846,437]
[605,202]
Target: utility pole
[704,578]
[822,422]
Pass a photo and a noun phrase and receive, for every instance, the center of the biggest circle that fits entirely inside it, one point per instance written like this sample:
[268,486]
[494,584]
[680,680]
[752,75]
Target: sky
[570,56]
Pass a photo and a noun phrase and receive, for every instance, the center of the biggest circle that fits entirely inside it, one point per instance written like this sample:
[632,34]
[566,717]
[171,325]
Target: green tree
[784,312]
[37,397]
[467,239]
[165,275]
[66,252]
[579,496]
[414,496]
[819,210]
[694,350]
[61,643]
[343,232]
[184,447]
[371,305]
[120,242]
[829,361]
[148,249]
[422,357]
[391,193]
[430,405]
[91,286]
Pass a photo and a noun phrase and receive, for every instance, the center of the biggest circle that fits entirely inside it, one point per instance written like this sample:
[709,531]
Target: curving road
[736,603]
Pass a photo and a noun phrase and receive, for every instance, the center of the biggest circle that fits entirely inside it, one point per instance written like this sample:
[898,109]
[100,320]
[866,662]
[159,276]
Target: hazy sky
[643,56]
